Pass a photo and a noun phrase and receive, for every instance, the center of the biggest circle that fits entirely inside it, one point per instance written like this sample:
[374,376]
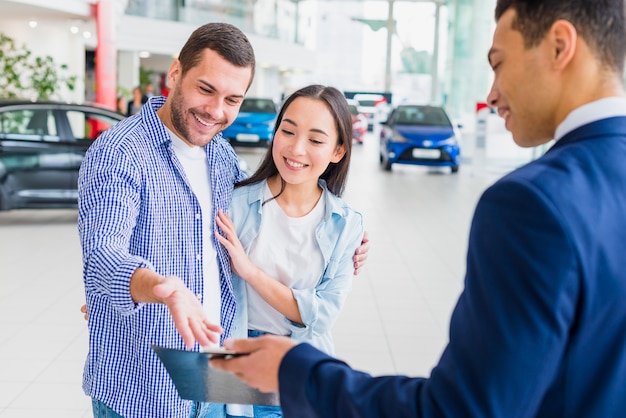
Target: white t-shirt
[196,166]
[287,250]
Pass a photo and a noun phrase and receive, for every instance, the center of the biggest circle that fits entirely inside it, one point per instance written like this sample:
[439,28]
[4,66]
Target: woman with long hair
[290,237]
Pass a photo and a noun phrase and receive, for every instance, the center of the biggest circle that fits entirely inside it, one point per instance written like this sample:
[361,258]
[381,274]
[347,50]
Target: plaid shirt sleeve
[109,199]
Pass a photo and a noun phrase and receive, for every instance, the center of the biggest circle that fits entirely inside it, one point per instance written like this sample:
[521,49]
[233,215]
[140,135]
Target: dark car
[42,145]
[254,126]
[419,135]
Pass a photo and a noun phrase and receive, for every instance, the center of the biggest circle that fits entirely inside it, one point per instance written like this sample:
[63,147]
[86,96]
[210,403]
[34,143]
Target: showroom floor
[395,319]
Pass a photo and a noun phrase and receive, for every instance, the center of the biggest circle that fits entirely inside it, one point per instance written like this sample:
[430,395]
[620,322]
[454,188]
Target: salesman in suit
[540,328]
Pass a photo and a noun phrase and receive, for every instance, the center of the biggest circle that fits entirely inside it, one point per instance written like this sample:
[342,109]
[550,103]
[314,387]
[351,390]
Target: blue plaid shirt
[136,209]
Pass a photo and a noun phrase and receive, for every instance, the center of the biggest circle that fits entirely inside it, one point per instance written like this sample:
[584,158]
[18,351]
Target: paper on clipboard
[195,380]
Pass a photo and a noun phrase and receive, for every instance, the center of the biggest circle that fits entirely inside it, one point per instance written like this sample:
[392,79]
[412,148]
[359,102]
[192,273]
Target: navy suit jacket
[540,328]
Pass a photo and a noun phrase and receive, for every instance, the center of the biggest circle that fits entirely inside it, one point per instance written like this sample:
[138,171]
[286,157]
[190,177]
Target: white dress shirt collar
[600,109]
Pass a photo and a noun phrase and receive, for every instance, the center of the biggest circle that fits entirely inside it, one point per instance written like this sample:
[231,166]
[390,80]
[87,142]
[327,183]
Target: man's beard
[178,117]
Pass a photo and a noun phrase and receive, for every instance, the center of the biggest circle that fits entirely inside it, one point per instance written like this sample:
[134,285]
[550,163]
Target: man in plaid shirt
[149,191]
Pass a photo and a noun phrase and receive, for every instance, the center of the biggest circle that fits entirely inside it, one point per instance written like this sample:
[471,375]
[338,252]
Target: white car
[373,106]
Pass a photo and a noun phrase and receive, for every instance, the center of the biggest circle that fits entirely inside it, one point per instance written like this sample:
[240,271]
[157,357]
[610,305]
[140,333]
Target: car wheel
[385,163]
[454,169]
[4,200]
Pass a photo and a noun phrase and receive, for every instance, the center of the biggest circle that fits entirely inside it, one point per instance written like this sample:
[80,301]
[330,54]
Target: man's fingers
[213,327]
[211,333]
[231,365]
[259,365]
[199,331]
[187,336]
[83,309]
[182,325]
[238,366]
[187,313]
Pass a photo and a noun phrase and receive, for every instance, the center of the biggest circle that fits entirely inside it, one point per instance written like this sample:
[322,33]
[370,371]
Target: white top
[287,250]
[591,112]
[196,167]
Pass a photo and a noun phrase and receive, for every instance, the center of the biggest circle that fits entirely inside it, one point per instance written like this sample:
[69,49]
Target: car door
[34,158]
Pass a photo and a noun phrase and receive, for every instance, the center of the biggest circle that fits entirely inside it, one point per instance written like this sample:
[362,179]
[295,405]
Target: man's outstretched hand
[187,312]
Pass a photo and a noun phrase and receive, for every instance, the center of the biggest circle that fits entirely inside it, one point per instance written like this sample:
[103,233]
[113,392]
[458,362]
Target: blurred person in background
[136,102]
[122,105]
[148,92]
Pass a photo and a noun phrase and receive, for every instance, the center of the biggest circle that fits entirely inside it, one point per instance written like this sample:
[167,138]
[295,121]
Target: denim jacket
[338,235]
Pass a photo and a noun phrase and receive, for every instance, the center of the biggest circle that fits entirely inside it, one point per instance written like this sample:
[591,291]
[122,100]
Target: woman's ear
[340,151]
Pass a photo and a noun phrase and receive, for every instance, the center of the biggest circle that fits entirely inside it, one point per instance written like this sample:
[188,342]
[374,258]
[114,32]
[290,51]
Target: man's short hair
[600,23]
[225,39]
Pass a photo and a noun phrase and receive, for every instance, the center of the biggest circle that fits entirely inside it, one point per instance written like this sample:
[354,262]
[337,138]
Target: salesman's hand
[259,368]
[187,312]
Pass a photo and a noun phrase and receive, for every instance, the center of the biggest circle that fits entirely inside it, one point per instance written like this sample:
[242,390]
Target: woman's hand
[239,260]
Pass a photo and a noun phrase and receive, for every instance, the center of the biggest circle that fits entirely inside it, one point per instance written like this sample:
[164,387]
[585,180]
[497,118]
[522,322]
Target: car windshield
[420,115]
[258,106]
[367,103]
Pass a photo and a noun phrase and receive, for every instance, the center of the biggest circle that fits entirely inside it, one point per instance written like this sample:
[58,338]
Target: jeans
[100,410]
[198,410]
[208,410]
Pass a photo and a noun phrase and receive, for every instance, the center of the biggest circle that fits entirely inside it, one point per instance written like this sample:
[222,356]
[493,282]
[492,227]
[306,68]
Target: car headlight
[450,141]
[397,137]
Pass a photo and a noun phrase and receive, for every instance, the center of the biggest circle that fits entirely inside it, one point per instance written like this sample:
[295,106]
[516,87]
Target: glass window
[258,106]
[29,123]
[87,125]
[421,115]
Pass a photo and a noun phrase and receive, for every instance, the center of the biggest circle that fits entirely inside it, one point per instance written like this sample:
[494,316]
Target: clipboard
[195,380]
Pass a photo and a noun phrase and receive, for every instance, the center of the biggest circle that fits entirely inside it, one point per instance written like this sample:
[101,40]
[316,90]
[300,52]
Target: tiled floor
[395,320]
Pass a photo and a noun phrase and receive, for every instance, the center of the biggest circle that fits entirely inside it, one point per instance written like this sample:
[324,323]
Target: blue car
[419,135]
[254,126]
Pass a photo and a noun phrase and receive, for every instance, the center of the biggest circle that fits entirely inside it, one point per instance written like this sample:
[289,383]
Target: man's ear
[563,39]
[174,72]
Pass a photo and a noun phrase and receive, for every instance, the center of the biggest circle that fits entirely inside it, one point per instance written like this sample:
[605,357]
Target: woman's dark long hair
[337,173]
